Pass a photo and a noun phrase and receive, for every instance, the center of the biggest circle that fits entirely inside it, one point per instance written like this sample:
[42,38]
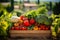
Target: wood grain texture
[30,33]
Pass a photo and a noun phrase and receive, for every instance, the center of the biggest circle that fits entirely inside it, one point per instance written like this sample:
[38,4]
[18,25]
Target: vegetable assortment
[33,20]
[29,24]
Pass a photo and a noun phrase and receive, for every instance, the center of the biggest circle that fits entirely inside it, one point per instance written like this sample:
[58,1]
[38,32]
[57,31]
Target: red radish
[26,23]
[32,21]
[16,28]
[12,28]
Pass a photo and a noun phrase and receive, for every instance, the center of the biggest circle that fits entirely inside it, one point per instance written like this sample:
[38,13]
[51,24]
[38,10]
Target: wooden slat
[29,33]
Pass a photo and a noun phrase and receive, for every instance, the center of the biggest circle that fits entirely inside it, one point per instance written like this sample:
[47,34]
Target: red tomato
[26,23]
[12,28]
[32,21]
[16,28]
[21,17]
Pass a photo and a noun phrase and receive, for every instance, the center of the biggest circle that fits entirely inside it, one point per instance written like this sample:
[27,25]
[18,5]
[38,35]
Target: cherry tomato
[47,28]
[24,28]
[32,21]
[16,28]
[44,28]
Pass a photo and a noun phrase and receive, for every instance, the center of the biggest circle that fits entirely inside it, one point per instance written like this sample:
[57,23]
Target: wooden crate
[30,33]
